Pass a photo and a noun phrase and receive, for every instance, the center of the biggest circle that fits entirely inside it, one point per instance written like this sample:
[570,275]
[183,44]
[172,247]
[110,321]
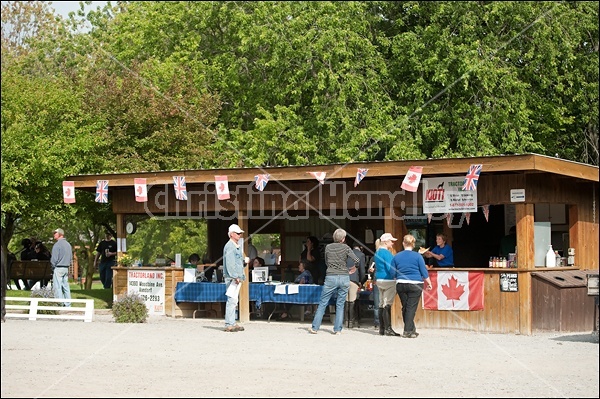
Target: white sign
[150,286]
[445,195]
[517,195]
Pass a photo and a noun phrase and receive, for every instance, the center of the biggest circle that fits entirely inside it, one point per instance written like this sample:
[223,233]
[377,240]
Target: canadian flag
[412,179]
[141,191]
[222,187]
[69,192]
[454,291]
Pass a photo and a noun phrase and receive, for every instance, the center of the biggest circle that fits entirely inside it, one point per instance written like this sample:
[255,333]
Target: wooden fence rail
[31,309]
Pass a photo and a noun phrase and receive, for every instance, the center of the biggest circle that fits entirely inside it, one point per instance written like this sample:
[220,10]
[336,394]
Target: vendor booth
[550,202]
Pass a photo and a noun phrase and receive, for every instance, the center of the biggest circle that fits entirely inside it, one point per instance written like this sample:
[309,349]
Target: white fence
[85,313]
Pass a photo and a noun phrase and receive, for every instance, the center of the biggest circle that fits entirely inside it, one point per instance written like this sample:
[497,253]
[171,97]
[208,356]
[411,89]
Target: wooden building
[524,190]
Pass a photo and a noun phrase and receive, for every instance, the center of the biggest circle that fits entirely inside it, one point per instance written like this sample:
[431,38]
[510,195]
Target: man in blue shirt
[442,253]
[233,272]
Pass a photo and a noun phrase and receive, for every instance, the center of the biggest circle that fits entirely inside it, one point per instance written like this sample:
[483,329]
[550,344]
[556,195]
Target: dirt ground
[168,357]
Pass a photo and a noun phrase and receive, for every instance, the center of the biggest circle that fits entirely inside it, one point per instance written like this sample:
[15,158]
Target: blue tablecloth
[308,294]
[209,292]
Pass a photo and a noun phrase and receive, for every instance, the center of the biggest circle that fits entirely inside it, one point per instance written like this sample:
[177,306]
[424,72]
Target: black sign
[509,282]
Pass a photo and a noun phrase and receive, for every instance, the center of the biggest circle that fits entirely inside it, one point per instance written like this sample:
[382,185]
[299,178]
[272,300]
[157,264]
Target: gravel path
[168,357]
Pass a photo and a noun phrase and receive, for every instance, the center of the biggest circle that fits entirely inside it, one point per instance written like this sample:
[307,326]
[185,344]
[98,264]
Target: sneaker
[310,330]
[237,327]
[410,335]
[230,329]
[337,333]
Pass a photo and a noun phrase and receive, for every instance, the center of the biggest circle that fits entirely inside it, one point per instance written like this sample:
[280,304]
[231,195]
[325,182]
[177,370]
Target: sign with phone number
[150,286]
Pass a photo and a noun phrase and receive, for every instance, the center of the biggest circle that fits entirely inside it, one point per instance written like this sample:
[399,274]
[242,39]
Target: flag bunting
[141,191]
[102,191]
[69,192]
[472,178]
[360,174]
[180,187]
[261,181]
[412,179]
[222,187]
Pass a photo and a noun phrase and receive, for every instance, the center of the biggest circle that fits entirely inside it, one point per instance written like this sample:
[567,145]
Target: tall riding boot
[346,318]
[381,322]
[356,317]
[351,321]
[387,311]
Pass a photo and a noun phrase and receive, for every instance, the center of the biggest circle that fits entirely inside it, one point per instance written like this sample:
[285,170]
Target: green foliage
[166,237]
[189,85]
[44,293]
[130,309]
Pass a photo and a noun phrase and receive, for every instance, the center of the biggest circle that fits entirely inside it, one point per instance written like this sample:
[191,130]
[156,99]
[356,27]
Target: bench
[31,309]
[30,271]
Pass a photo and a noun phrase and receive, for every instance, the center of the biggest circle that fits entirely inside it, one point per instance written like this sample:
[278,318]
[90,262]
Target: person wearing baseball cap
[386,283]
[60,260]
[233,272]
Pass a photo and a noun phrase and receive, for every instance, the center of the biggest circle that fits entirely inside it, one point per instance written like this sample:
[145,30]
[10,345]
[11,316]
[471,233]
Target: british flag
[360,174]
[180,189]
[261,181]
[102,191]
[472,178]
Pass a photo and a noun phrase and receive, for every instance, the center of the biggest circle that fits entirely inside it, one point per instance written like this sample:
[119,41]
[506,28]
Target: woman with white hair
[337,280]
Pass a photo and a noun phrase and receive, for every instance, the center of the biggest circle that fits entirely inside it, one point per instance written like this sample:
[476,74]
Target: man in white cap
[61,259]
[233,272]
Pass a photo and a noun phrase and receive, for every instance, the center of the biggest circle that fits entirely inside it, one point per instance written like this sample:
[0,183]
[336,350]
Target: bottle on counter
[558,259]
[550,257]
[491,263]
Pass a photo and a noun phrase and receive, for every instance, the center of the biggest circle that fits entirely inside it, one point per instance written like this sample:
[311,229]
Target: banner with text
[445,195]
[150,286]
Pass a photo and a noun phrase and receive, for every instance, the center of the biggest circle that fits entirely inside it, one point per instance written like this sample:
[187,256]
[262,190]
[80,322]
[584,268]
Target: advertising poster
[150,285]
[445,195]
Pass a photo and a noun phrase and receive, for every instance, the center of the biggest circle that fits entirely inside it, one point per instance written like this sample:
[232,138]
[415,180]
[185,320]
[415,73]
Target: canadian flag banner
[320,176]
[141,191]
[429,215]
[222,187]
[69,192]
[468,217]
[412,179]
[454,291]
[449,219]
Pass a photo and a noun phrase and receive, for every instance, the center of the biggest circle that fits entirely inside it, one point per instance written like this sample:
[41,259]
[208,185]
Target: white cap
[387,237]
[234,228]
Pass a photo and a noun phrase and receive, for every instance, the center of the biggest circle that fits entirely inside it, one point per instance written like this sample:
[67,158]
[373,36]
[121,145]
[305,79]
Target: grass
[103,298]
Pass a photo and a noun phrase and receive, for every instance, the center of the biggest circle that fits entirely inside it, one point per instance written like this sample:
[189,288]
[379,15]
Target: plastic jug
[550,257]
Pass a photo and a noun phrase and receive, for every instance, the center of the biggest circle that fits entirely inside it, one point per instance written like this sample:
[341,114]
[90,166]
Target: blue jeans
[230,306]
[60,284]
[333,284]
[106,273]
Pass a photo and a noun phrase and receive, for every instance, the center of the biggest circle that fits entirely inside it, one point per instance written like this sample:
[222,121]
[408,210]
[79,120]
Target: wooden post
[525,260]
[244,303]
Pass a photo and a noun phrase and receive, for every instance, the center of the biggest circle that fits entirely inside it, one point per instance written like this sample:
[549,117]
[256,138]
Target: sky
[64,7]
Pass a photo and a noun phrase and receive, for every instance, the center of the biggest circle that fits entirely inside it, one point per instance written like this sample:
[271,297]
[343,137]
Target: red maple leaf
[412,178]
[139,190]
[221,187]
[453,291]
[68,192]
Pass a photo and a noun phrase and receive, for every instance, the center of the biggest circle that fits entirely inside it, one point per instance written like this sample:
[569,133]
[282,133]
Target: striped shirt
[336,255]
